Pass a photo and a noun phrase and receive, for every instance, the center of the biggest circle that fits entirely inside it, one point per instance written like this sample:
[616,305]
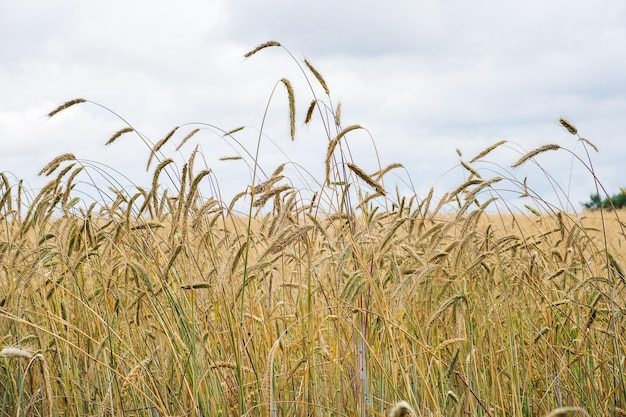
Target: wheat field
[339,301]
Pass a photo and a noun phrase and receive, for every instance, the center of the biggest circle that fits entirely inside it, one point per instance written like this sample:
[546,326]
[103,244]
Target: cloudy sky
[425,78]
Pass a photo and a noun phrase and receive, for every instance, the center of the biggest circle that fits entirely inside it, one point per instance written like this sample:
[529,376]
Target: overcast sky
[425,78]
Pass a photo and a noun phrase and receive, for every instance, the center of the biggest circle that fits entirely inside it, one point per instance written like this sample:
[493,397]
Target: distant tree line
[615,201]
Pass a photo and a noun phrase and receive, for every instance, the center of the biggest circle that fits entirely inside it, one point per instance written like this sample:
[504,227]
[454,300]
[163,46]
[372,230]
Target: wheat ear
[233,131]
[309,112]
[159,145]
[535,152]
[486,151]
[568,125]
[66,105]
[382,172]
[369,180]
[333,144]
[261,46]
[566,411]
[134,373]
[186,138]
[318,76]
[15,352]
[402,409]
[54,164]
[594,147]
[118,134]
[338,115]
[292,107]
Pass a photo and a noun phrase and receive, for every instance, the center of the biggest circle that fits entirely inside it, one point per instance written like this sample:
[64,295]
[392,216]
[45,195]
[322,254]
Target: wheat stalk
[10,352]
[47,383]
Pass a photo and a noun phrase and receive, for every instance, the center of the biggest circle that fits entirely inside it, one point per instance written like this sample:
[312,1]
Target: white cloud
[424,77]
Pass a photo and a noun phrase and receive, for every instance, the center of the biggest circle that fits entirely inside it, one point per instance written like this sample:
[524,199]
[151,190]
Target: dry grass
[165,301]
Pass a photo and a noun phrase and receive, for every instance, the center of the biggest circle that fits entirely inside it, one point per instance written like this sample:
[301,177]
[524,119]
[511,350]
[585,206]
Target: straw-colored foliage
[166,301]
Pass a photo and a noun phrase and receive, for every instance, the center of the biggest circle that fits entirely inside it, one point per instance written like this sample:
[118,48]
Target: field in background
[166,301]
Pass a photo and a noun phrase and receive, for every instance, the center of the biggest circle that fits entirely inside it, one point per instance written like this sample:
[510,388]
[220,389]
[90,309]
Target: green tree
[615,201]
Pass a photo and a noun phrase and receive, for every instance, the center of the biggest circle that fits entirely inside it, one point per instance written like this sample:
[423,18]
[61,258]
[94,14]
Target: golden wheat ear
[566,411]
[402,409]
